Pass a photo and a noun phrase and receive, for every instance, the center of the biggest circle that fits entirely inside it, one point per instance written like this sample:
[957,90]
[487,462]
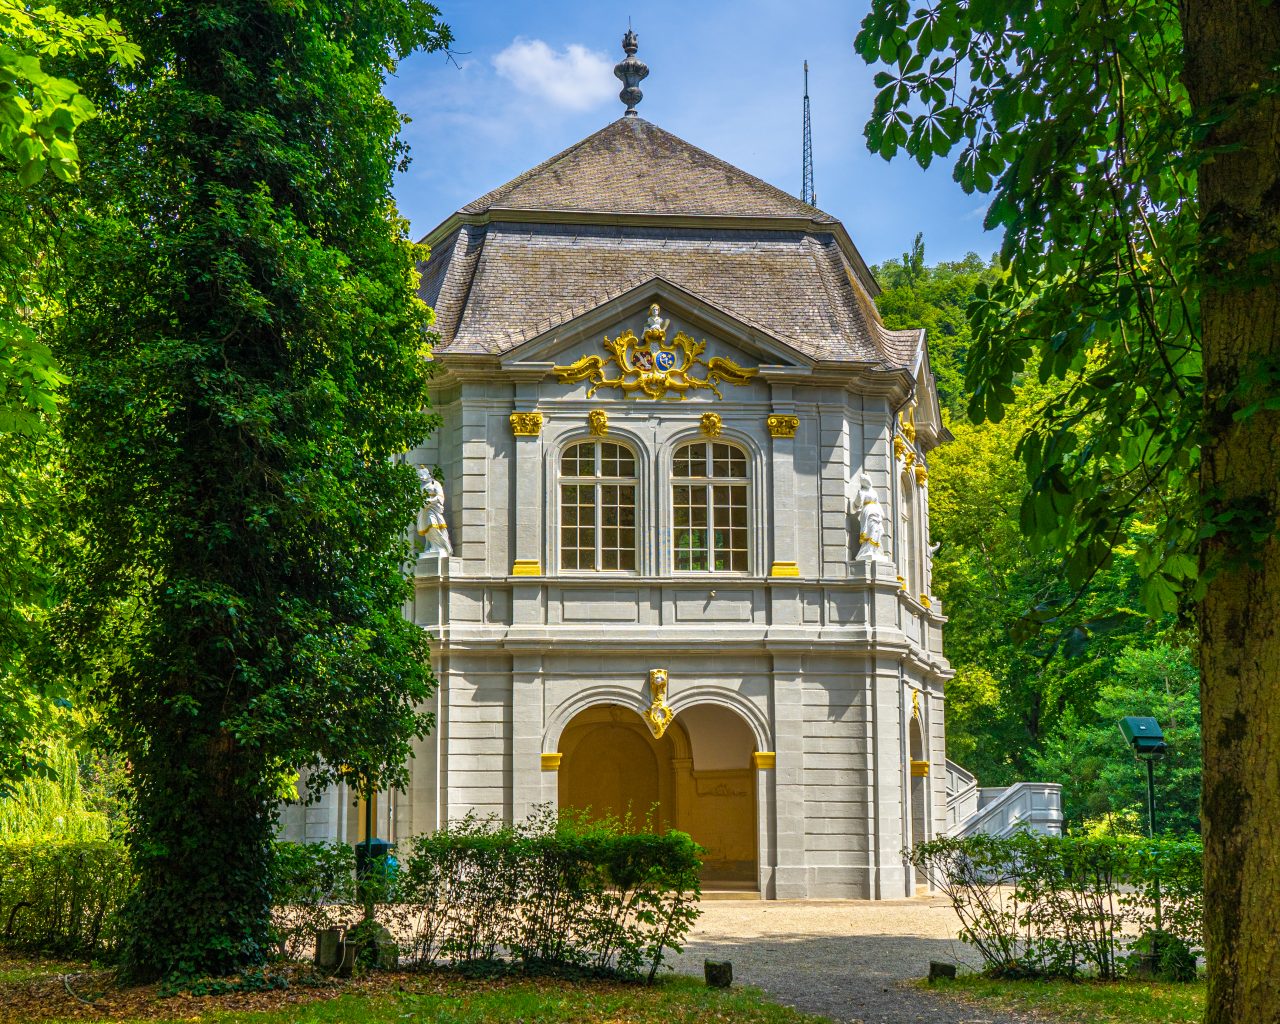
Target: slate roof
[497,280]
[632,166]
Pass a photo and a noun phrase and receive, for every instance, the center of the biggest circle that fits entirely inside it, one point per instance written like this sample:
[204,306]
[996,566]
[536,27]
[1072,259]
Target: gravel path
[842,959]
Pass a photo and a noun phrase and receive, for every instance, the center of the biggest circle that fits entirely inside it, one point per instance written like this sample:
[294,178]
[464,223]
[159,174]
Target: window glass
[598,507]
[709,508]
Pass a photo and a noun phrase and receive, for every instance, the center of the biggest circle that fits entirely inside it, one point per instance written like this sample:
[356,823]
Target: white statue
[870,514]
[655,321]
[431,523]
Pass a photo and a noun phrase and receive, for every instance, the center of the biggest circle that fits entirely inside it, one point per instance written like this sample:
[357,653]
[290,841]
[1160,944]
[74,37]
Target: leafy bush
[312,888]
[554,893]
[1036,905]
[52,805]
[62,898]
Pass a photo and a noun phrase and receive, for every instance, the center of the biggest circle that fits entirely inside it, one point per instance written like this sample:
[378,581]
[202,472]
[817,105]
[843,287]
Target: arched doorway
[698,778]
[612,766]
[919,790]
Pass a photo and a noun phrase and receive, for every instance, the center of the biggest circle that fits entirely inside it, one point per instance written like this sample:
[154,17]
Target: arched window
[709,499]
[598,507]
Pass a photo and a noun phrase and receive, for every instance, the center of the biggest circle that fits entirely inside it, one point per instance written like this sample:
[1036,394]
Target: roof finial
[630,72]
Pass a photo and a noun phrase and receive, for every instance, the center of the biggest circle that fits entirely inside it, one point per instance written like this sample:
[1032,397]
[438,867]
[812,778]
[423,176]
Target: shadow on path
[847,978]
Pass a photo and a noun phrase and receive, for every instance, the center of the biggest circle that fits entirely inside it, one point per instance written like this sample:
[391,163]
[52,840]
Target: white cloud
[574,79]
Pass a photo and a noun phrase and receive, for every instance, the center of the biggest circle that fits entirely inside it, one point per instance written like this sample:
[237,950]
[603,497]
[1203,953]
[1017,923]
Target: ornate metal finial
[630,73]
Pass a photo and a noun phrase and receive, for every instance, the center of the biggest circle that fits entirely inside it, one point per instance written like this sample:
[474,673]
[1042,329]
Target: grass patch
[401,998]
[1086,1002]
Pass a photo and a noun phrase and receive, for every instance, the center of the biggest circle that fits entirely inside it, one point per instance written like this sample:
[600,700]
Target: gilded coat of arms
[651,366]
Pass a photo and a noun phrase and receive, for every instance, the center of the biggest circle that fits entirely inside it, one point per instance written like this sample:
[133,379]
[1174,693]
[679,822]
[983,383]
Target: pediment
[682,313]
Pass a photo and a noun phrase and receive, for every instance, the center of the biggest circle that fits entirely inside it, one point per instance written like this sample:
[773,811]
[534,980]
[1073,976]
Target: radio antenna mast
[807,193]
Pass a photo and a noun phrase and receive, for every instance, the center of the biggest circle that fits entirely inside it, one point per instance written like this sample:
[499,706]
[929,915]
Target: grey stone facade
[832,665]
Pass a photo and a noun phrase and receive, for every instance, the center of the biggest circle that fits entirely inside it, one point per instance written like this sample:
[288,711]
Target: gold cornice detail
[919,769]
[762,759]
[551,762]
[785,569]
[526,567]
[526,424]
[782,426]
[922,474]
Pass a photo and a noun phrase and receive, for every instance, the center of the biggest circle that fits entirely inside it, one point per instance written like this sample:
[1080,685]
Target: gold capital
[764,759]
[783,426]
[526,424]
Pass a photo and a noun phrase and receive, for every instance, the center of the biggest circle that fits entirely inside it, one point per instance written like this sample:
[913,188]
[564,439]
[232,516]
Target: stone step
[730,894]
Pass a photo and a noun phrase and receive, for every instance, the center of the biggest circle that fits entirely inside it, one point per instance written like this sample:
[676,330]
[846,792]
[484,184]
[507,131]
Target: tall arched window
[709,513]
[598,507]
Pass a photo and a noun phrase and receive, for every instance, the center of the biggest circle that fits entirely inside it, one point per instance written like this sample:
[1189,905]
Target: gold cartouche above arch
[657,715]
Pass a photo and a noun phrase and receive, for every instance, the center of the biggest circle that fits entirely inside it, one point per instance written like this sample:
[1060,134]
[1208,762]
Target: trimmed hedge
[554,893]
[63,898]
[1037,905]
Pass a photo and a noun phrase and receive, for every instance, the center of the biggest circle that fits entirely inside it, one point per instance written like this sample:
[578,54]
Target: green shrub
[63,898]
[1036,905]
[312,888]
[554,893]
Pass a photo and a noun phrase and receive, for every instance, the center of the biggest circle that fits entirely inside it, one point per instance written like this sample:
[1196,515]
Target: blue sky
[535,77]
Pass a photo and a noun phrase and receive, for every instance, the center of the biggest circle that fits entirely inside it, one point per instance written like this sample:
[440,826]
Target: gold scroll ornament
[657,715]
[651,367]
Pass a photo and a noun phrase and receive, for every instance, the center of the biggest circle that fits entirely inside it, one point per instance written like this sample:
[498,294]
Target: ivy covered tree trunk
[245,347]
[1231,50]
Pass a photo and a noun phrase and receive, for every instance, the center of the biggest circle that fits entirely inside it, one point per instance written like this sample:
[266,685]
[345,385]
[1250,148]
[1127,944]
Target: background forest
[1043,672]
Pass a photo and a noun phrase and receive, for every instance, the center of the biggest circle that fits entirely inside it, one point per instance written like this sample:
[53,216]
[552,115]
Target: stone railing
[962,796]
[1036,806]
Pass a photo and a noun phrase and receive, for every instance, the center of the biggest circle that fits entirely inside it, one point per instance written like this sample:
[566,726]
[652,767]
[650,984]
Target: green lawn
[1087,1002]
[429,998]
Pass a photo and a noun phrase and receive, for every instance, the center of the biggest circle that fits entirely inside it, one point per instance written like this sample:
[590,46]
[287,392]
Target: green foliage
[40,111]
[1074,117]
[313,887]
[936,298]
[55,808]
[1100,778]
[556,893]
[63,897]
[1037,906]
[244,348]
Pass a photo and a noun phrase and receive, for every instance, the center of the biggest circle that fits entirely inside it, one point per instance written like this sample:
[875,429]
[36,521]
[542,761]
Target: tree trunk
[201,846]
[1230,46]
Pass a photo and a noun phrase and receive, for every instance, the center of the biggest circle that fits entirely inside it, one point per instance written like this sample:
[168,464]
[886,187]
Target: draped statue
[866,506]
[432,527]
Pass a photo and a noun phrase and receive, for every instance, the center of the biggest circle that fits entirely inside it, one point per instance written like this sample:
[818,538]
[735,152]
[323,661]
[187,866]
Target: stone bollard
[328,948]
[937,969]
[719,973]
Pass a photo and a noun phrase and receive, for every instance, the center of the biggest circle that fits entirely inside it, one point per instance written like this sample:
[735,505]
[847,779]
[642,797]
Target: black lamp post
[1147,741]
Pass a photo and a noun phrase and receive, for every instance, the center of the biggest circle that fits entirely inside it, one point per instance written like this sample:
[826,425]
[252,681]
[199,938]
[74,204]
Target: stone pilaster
[790,877]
